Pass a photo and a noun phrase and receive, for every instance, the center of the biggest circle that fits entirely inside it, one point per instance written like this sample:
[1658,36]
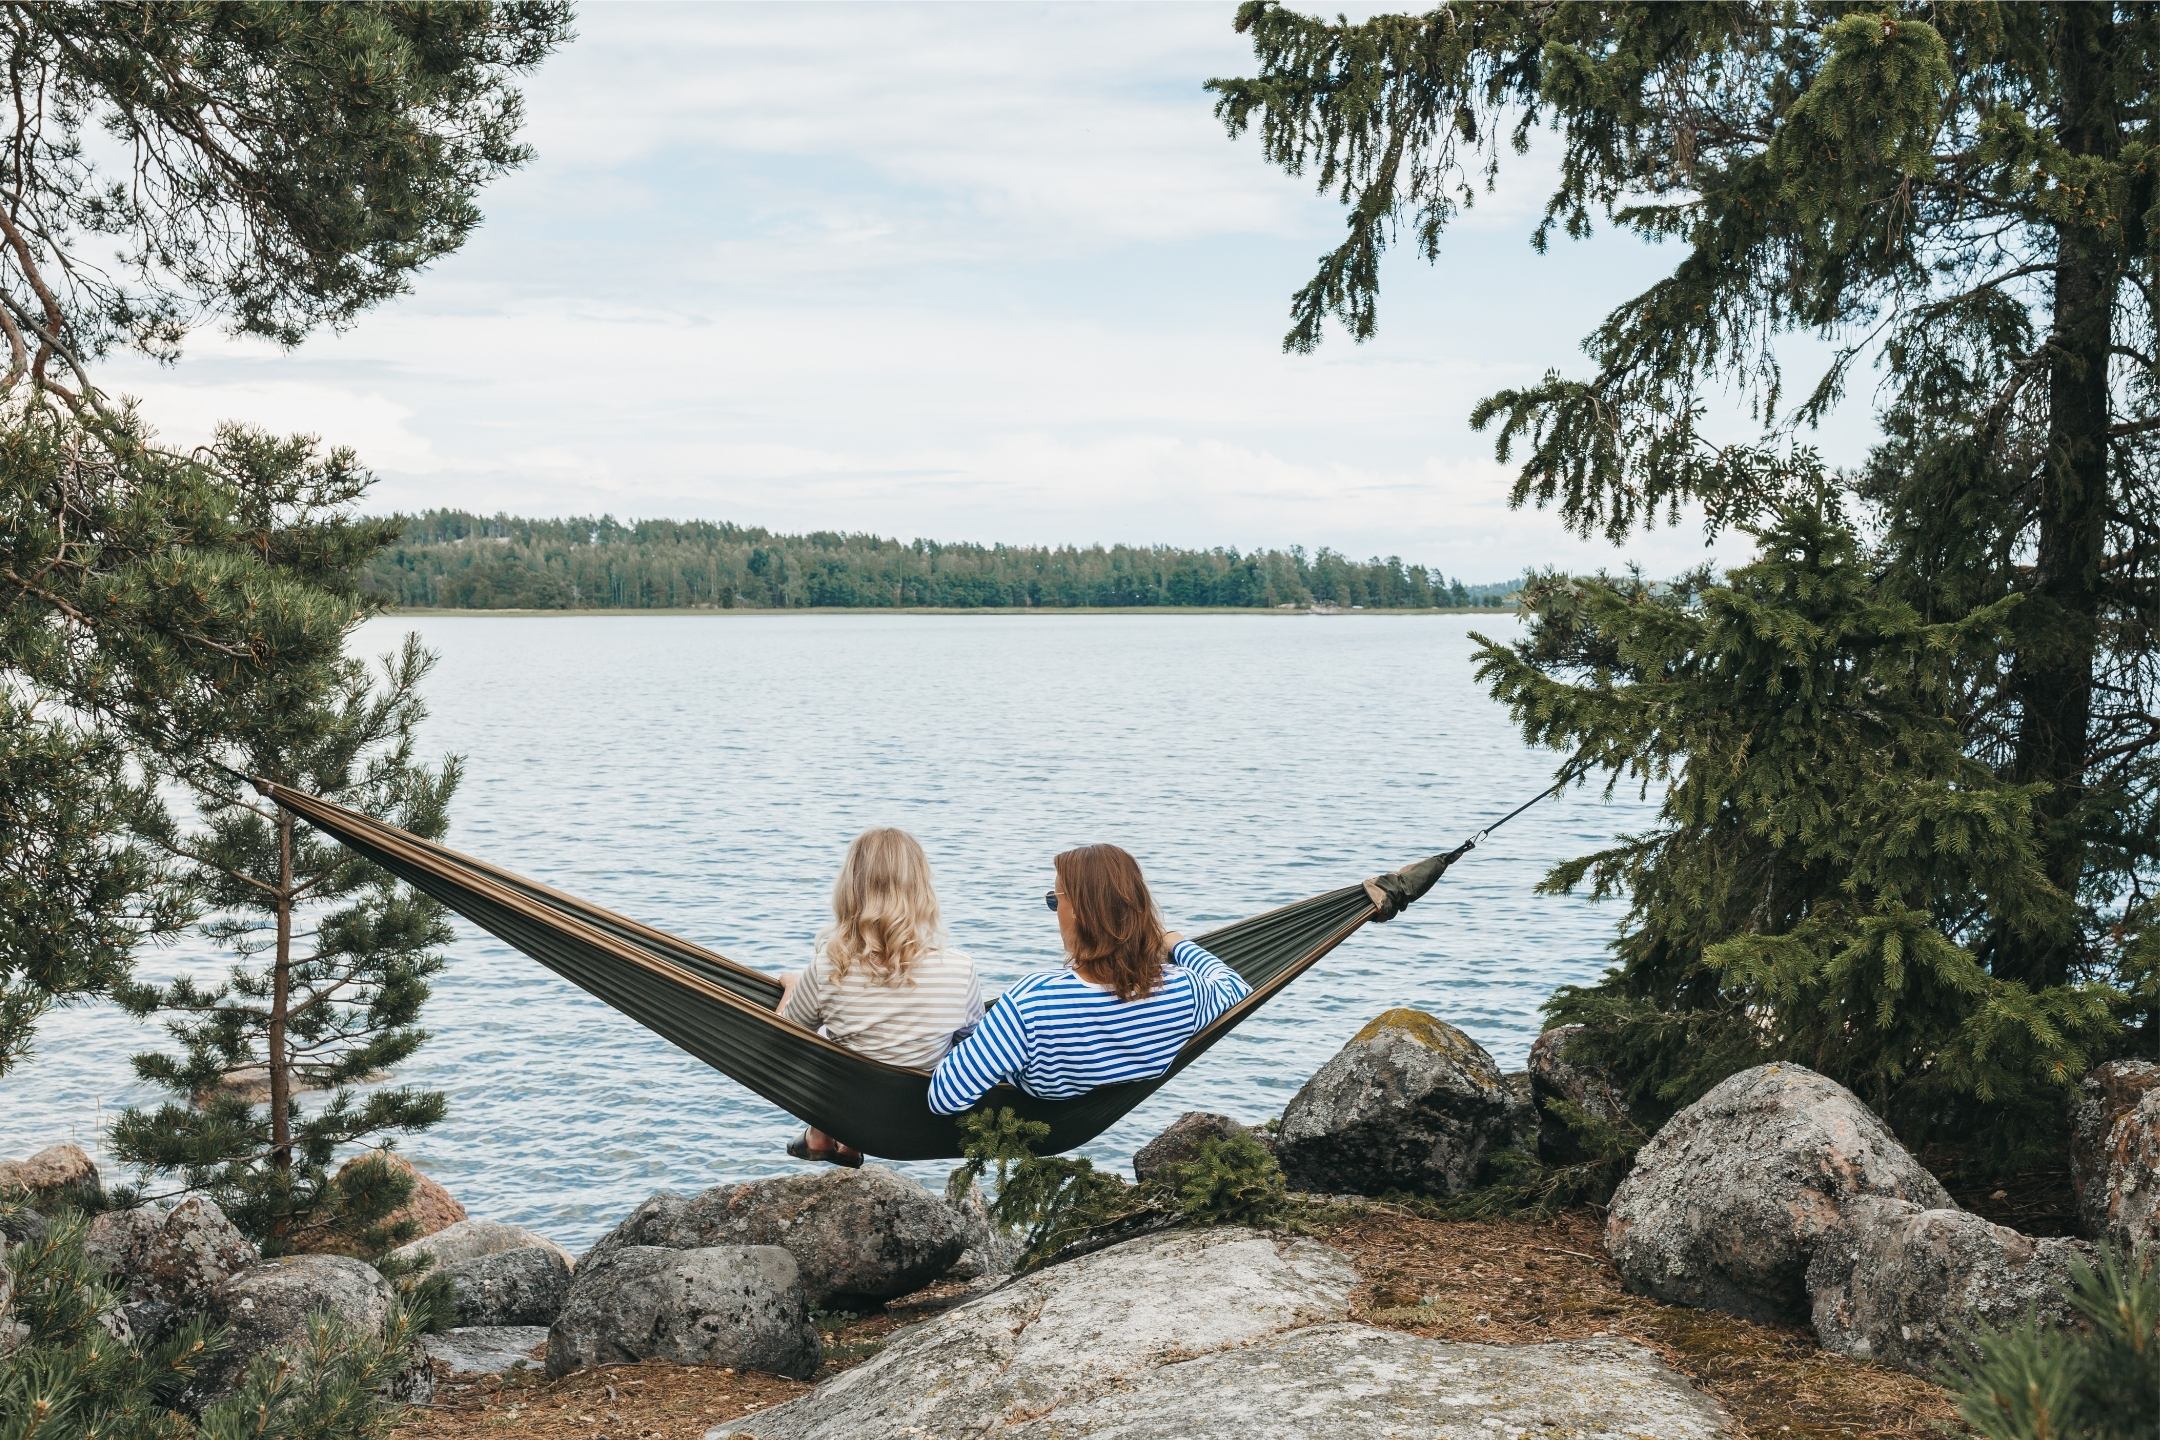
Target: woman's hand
[1173,938]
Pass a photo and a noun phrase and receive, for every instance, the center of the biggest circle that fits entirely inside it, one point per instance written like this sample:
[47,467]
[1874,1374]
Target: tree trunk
[274,1056]
[2052,676]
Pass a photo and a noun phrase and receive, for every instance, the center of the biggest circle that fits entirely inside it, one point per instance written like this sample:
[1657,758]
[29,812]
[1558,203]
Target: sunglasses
[1050,898]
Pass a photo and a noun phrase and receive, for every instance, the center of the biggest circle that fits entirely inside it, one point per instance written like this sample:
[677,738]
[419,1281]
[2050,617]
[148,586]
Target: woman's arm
[1216,987]
[994,1054]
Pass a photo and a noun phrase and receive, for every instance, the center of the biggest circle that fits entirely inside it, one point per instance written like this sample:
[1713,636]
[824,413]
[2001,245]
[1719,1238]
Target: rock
[11,1332]
[1556,1074]
[525,1286]
[2115,1152]
[1522,1110]
[471,1239]
[1180,1143]
[167,1263]
[859,1236]
[1411,1103]
[656,1221]
[1898,1284]
[430,1206]
[269,1305]
[485,1349]
[1071,1332]
[1355,1382]
[50,1177]
[726,1305]
[1726,1204]
[991,1249]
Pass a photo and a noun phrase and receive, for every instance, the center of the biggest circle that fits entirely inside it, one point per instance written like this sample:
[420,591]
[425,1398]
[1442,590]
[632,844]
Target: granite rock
[1898,1284]
[858,1236]
[1726,1205]
[1411,1103]
[2115,1152]
[737,1306]
[1069,1333]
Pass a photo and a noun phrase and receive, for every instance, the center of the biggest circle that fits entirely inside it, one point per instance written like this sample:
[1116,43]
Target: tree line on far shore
[452,559]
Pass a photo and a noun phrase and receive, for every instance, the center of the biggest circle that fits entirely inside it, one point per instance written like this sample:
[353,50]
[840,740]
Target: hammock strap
[1395,892]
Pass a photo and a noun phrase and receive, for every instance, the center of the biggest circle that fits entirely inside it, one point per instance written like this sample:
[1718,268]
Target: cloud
[965,272]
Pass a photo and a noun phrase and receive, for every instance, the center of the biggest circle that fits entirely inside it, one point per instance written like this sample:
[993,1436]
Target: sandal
[840,1155]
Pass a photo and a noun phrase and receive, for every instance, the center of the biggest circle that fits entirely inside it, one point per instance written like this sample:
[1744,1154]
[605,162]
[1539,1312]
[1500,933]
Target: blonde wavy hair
[885,913]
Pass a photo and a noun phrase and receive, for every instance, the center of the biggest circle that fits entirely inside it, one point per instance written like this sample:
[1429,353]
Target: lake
[705,774]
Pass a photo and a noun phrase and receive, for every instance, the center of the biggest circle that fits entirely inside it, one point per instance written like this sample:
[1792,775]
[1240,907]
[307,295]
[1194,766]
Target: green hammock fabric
[723,1013]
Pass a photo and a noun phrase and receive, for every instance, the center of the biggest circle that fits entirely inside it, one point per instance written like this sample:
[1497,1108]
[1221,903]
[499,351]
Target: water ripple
[705,775]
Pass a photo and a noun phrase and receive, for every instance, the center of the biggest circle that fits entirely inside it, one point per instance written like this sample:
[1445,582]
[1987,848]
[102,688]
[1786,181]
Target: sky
[964,272]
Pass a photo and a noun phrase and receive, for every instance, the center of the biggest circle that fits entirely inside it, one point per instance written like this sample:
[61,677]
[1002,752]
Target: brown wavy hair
[1118,933]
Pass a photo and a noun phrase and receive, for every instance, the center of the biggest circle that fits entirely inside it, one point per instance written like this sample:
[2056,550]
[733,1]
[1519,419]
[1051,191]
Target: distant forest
[449,559]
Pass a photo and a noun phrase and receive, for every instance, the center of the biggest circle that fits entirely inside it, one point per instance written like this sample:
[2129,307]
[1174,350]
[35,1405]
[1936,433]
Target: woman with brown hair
[1128,999]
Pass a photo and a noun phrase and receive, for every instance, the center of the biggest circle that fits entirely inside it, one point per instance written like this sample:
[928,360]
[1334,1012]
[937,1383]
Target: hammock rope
[723,1013]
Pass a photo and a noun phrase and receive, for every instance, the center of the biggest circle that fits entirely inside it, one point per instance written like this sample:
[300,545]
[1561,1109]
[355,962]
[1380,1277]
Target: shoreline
[700,611]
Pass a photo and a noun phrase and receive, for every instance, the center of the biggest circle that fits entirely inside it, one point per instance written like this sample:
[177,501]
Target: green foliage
[1519,1180]
[72,1379]
[1830,861]
[454,560]
[2099,1381]
[1059,1204]
[333,959]
[1962,196]
[276,166]
[290,165]
[1231,1180]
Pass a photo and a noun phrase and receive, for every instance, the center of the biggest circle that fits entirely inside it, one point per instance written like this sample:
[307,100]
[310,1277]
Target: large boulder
[859,1236]
[167,1263]
[525,1286]
[1069,1333]
[51,1177]
[485,1349]
[1560,1075]
[2115,1152]
[1727,1203]
[471,1239]
[1181,1142]
[1355,1382]
[1898,1284]
[269,1306]
[1411,1103]
[727,1305]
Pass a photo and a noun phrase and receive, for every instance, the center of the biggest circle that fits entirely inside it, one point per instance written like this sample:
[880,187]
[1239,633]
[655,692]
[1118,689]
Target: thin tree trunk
[275,1056]
[2052,676]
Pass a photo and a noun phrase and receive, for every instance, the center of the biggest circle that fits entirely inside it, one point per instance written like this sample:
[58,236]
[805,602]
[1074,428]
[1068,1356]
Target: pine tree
[333,959]
[1829,860]
[71,1377]
[1964,195]
[278,168]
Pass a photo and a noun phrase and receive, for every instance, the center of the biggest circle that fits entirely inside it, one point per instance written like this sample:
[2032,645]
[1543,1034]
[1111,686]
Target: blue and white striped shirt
[1054,1035]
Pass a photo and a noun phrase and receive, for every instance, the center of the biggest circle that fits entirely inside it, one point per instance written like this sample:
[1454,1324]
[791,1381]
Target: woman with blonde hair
[883,981]
[1131,994]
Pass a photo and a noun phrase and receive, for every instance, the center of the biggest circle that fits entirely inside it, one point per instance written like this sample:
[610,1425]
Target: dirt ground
[1497,1282]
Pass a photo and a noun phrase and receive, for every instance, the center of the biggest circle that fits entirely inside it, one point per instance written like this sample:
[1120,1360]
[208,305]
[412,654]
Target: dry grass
[653,1401]
[1514,1282]
[1506,1282]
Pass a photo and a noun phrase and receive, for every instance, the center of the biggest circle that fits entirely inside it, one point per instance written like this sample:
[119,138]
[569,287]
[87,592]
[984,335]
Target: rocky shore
[1772,1247]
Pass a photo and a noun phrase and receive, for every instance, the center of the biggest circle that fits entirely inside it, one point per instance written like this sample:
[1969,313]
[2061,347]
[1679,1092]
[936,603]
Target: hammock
[723,1013]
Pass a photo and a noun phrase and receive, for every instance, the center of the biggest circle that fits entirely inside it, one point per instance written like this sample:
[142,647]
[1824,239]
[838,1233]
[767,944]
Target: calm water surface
[705,774]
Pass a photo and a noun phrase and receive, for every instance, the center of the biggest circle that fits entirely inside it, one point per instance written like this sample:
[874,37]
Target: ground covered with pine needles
[1508,1282]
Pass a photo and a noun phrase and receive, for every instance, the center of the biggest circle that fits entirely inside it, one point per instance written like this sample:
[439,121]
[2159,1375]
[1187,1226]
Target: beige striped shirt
[909,1023]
